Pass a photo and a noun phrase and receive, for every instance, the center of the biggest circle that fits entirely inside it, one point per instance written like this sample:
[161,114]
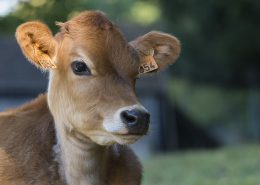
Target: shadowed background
[209,99]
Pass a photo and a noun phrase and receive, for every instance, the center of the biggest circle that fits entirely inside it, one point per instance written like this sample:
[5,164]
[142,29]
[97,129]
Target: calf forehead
[93,34]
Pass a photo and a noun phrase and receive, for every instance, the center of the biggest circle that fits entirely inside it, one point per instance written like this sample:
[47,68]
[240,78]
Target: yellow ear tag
[148,64]
[44,61]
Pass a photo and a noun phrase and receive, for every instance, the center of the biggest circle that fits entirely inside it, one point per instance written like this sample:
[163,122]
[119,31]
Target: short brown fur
[26,155]
[72,135]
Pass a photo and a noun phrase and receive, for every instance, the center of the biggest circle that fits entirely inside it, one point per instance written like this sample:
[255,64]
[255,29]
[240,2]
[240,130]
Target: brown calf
[74,134]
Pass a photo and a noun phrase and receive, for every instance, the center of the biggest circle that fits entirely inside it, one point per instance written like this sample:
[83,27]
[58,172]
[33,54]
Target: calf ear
[37,44]
[157,50]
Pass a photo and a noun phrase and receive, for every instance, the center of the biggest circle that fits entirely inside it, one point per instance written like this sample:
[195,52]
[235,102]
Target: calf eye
[80,68]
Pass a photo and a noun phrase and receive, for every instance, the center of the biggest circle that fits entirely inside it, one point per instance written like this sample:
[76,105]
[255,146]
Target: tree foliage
[220,39]
[49,11]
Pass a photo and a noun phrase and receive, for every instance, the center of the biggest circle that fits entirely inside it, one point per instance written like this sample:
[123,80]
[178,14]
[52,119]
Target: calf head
[93,71]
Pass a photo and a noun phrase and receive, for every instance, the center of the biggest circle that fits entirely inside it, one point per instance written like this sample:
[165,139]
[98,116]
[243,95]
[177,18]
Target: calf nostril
[135,117]
[128,117]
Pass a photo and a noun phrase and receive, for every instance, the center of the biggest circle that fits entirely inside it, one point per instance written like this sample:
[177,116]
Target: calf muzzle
[136,121]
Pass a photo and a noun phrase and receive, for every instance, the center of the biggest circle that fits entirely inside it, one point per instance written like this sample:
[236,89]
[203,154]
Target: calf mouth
[139,133]
[125,139]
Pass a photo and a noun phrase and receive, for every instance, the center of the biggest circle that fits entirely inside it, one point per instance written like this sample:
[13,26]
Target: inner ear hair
[37,43]
[146,51]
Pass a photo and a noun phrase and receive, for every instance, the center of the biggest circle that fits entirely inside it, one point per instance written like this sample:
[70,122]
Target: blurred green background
[214,85]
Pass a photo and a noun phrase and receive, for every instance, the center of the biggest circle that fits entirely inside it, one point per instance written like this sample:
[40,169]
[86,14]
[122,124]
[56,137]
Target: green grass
[229,166]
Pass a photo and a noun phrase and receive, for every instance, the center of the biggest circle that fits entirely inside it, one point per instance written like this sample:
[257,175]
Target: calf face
[93,72]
